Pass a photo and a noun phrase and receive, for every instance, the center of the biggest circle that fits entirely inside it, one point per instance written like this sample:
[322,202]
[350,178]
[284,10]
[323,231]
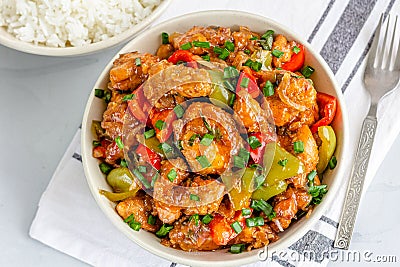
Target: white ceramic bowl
[148,42]
[11,41]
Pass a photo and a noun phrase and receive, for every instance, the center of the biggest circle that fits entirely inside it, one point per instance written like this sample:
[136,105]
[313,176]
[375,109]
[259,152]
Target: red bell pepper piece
[149,155]
[257,154]
[183,55]
[296,61]
[139,107]
[221,230]
[252,87]
[167,116]
[327,110]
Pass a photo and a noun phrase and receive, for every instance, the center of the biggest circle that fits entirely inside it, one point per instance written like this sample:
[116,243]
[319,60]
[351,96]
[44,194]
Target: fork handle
[354,189]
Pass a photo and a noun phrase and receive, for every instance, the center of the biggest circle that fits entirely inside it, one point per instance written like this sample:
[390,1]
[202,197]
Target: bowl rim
[302,229]
[9,40]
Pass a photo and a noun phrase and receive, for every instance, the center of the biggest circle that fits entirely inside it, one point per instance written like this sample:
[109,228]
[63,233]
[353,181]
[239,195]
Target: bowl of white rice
[73,27]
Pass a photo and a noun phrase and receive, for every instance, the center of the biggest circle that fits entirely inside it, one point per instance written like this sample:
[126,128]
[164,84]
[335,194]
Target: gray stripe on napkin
[321,20]
[316,242]
[329,221]
[365,52]
[282,262]
[346,31]
[77,156]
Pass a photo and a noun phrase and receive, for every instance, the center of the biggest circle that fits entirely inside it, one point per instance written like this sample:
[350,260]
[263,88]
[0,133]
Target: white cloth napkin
[68,218]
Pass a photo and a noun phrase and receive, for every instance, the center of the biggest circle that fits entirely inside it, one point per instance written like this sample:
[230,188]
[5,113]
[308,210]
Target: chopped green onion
[105,168]
[236,227]
[165,147]
[236,248]
[277,53]
[256,221]
[171,175]
[230,46]
[244,154]
[229,86]
[317,192]
[267,34]
[296,49]
[248,63]
[206,57]
[311,176]
[247,51]
[193,138]
[144,181]
[268,89]
[138,61]
[142,169]
[261,205]
[201,44]
[194,197]
[119,142]
[253,38]
[271,215]
[245,82]
[230,72]
[298,147]
[128,97]
[232,100]
[164,230]
[278,68]
[259,180]
[256,66]
[217,50]
[96,143]
[154,178]
[151,220]
[160,124]
[207,219]
[207,139]
[130,218]
[224,54]
[283,162]
[135,225]
[206,124]
[246,212]
[254,142]
[195,218]
[178,109]
[186,46]
[239,162]
[150,133]
[307,71]
[107,96]
[332,163]
[123,163]
[203,161]
[165,38]
[99,93]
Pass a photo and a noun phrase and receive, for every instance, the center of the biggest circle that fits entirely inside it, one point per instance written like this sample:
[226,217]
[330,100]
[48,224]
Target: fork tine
[397,59]
[383,47]
[391,55]
[374,46]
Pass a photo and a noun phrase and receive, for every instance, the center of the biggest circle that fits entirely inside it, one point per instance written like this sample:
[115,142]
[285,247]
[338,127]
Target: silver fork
[380,79]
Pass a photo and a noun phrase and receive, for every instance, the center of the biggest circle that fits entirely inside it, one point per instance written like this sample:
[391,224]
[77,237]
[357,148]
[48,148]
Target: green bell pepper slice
[277,171]
[220,96]
[240,197]
[266,191]
[327,148]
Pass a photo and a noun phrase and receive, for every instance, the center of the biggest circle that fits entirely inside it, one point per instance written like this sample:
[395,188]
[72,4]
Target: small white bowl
[148,42]
[11,41]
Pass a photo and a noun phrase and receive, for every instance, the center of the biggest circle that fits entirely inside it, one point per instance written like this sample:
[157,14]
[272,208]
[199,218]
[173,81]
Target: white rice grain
[61,23]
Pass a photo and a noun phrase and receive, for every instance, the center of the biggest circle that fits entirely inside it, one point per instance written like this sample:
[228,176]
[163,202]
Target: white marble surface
[41,105]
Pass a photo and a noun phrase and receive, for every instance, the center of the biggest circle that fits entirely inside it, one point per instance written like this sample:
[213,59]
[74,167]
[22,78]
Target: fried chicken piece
[127,74]
[141,206]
